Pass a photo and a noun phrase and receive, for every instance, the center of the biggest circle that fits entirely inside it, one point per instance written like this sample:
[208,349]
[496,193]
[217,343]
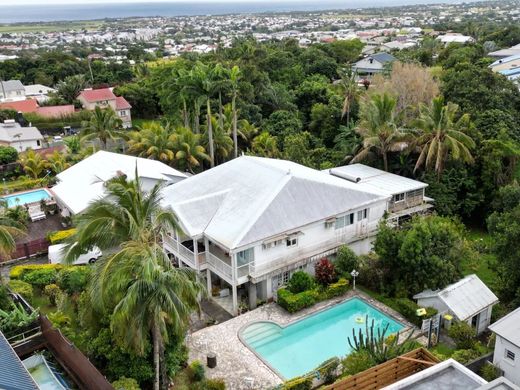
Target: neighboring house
[38,91]
[507,345]
[503,53]
[31,106]
[450,375]
[85,181]
[251,222]
[508,66]
[13,374]
[11,90]
[23,106]
[398,45]
[104,98]
[455,38]
[20,138]
[407,195]
[468,300]
[373,64]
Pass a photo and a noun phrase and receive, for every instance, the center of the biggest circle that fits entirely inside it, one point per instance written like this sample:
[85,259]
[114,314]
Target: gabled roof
[37,89]
[122,104]
[29,105]
[96,95]
[11,85]
[383,57]
[13,132]
[508,327]
[249,199]
[373,179]
[13,374]
[84,182]
[464,298]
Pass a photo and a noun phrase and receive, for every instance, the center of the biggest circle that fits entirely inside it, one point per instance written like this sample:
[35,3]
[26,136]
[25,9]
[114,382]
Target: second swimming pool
[303,345]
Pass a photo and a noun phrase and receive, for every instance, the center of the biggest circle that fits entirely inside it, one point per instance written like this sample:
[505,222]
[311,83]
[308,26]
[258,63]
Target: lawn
[443,349]
[482,265]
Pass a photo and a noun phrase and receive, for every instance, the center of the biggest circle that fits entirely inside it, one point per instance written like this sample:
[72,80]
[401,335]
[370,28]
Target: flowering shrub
[325,272]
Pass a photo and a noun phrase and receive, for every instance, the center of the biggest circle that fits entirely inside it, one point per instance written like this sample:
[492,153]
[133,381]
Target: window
[38,142]
[282,279]
[122,113]
[510,355]
[398,198]
[415,193]
[344,220]
[291,241]
[272,244]
[245,257]
[362,214]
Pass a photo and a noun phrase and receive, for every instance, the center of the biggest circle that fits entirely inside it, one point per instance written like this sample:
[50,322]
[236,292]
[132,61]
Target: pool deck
[236,362]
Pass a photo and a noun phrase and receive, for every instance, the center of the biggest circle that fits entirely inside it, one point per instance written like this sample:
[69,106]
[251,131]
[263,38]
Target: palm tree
[234,77]
[222,143]
[442,136]
[265,145]
[378,128]
[103,125]
[69,88]
[153,141]
[33,163]
[10,229]
[351,91]
[73,143]
[189,153]
[57,162]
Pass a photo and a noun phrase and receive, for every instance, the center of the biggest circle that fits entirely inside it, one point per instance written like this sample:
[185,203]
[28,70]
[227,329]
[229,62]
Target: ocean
[70,12]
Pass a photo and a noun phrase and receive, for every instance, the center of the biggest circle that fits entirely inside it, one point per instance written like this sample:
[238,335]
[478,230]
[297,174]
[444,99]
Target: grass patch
[482,266]
[443,349]
[50,27]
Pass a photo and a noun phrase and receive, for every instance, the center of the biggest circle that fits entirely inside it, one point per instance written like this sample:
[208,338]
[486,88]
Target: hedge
[17,271]
[60,236]
[40,277]
[300,383]
[22,288]
[408,309]
[336,289]
[295,302]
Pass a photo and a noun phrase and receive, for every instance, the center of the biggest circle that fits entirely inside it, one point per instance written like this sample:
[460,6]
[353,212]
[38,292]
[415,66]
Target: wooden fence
[25,250]
[387,373]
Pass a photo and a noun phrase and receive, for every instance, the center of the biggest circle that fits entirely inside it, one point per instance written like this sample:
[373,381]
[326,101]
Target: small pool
[26,197]
[303,345]
[42,373]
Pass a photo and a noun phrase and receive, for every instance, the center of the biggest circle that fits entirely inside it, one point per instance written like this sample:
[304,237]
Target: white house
[507,345]
[407,195]
[85,181]
[20,138]
[372,64]
[468,300]
[455,38]
[38,91]
[11,90]
[251,222]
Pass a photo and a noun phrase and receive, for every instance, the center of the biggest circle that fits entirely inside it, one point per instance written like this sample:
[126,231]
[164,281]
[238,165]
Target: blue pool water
[26,197]
[305,344]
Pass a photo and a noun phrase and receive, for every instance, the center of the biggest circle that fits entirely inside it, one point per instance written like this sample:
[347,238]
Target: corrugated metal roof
[508,327]
[251,198]
[373,179]
[84,182]
[13,374]
[13,132]
[464,298]
[11,85]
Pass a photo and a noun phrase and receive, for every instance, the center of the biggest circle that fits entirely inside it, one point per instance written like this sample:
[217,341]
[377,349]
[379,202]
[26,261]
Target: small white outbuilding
[507,345]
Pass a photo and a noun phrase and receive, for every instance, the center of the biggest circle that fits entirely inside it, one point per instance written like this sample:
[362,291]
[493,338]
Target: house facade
[250,223]
[468,300]
[20,138]
[373,64]
[104,98]
[11,90]
[507,345]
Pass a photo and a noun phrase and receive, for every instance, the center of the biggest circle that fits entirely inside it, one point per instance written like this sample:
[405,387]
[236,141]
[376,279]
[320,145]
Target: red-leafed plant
[325,272]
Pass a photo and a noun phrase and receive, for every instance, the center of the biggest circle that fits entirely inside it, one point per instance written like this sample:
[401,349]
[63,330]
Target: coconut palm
[442,136]
[69,88]
[265,145]
[103,125]
[33,163]
[350,89]
[378,128]
[222,142]
[10,229]
[234,77]
[57,162]
[153,141]
[189,153]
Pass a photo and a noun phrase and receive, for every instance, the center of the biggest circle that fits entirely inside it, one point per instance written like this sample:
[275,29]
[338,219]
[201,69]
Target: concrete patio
[236,363]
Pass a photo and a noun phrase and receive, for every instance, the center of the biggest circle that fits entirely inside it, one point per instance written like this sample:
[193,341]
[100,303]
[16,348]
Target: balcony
[186,254]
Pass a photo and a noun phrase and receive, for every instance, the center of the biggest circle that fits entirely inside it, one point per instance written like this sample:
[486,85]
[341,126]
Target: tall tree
[442,136]
[189,152]
[103,125]
[153,141]
[378,128]
[350,89]
[234,77]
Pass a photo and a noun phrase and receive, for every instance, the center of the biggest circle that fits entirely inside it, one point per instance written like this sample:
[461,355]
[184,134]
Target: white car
[56,255]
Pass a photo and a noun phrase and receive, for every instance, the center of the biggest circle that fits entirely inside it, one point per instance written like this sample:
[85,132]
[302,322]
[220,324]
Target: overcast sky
[43,2]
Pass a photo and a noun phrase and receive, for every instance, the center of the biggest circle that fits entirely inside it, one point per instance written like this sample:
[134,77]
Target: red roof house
[104,98]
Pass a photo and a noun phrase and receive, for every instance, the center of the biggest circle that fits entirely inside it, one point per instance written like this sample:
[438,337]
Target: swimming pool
[26,197]
[303,345]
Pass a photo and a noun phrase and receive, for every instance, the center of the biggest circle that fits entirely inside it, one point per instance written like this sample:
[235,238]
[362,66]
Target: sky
[26,2]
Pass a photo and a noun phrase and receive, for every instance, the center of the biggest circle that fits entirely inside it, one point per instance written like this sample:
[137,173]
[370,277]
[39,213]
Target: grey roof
[500,383]
[249,199]
[12,85]
[508,327]
[464,298]
[448,374]
[383,57]
[13,132]
[13,374]
[376,180]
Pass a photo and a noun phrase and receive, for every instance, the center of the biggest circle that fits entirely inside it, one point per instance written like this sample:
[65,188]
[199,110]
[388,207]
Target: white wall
[22,146]
[511,368]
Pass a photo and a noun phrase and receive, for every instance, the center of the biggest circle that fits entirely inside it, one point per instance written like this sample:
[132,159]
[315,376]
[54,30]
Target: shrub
[464,356]
[327,369]
[124,383]
[408,309]
[346,260]
[60,236]
[40,277]
[295,302]
[52,291]
[300,281]
[214,384]
[463,335]
[17,271]
[325,272]
[59,319]
[8,154]
[336,289]
[197,371]
[5,301]
[356,362]
[22,288]
[489,372]
[176,355]
[300,383]
[74,279]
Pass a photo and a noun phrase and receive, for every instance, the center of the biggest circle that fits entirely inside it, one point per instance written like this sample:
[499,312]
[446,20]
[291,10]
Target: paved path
[214,311]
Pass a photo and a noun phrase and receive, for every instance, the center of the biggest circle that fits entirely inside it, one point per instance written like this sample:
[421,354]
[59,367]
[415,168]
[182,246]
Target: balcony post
[234,281]
[196,254]
[208,281]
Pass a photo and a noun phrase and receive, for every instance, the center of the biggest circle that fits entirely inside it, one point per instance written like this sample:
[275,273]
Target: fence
[75,363]
[28,249]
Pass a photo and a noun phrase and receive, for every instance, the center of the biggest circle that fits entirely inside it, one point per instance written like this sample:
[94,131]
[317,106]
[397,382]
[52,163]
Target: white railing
[243,270]
[186,254]
[220,266]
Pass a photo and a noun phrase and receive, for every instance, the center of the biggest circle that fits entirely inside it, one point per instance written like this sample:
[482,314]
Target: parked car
[56,255]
